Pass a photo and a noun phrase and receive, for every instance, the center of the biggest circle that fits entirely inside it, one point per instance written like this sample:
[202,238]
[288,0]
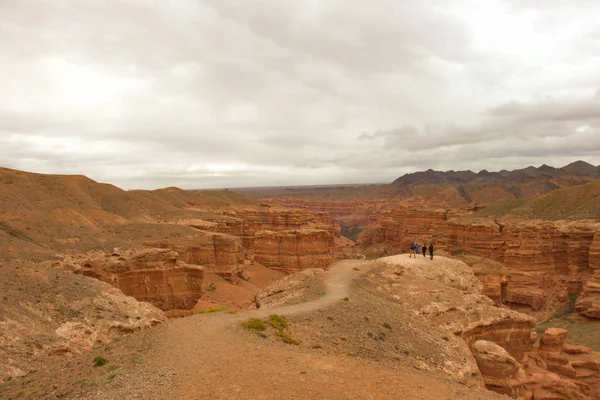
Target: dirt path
[206,357]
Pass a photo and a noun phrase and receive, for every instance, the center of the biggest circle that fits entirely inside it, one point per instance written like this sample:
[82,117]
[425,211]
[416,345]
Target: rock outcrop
[545,260]
[446,294]
[293,250]
[501,372]
[556,370]
[287,239]
[154,275]
[218,253]
[588,303]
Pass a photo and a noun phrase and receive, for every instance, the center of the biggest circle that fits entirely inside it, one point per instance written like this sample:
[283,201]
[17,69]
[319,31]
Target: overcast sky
[223,93]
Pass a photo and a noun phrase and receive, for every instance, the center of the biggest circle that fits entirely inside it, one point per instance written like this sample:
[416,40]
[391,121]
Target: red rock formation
[218,253]
[501,372]
[156,276]
[293,250]
[446,294]
[588,303]
[557,370]
[545,260]
[359,209]
[288,239]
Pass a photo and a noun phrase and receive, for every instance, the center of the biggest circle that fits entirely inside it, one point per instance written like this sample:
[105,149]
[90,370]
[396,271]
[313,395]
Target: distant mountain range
[458,188]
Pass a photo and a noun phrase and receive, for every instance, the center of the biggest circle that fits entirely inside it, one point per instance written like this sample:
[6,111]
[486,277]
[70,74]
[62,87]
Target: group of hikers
[417,248]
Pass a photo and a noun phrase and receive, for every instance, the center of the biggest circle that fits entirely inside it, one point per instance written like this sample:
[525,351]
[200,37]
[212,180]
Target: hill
[40,214]
[573,203]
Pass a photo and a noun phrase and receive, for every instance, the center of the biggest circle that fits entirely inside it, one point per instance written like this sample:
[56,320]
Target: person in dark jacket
[431,250]
[424,248]
[417,249]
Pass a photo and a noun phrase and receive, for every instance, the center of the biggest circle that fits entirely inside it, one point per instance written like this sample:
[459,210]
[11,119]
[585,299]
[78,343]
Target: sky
[222,93]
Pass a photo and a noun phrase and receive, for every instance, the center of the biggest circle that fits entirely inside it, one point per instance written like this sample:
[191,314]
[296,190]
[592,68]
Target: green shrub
[287,337]
[254,325]
[99,361]
[211,287]
[278,321]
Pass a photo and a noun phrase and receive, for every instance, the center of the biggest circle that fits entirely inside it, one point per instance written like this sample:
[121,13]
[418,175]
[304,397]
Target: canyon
[165,252]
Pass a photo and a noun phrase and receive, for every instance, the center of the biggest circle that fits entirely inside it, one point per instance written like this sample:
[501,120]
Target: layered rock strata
[293,250]
[219,254]
[545,260]
[588,303]
[287,239]
[155,275]
[557,370]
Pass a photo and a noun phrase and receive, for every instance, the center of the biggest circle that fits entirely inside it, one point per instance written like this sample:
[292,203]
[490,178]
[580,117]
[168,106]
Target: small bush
[211,287]
[99,361]
[278,321]
[254,325]
[114,374]
[346,299]
[386,325]
[286,337]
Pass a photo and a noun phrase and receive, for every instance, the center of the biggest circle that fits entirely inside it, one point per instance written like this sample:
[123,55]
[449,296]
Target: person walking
[412,250]
[424,248]
[417,249]
[431,250]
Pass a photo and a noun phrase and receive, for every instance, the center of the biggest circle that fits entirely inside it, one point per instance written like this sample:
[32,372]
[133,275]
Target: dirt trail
[206,357]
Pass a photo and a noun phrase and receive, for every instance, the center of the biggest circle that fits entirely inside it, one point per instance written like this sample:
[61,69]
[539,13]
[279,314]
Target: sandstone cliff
[218,253]
[545,260]
[154,275]
[293,250]
[588,303]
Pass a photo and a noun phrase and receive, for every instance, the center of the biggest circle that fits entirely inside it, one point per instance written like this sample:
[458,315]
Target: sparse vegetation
[114,374]
[211,287]
[255,325]
[275,321]
[386,325]
[286,337]
[99,361]
[212,310]
[278,322]
[86,384]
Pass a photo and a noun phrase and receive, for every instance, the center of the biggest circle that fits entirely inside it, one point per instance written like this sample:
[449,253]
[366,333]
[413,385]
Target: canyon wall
[287,239]
[293,250]
[156,276]
[545,260]
[218,253]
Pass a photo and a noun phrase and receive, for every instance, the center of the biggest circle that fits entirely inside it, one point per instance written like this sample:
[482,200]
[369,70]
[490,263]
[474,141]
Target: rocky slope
[48,313]
[433,316]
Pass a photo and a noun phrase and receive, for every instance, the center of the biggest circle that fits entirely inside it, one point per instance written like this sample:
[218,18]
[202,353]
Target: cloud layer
[147,94]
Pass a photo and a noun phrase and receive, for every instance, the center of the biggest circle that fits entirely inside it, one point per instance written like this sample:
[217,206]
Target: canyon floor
[212,356]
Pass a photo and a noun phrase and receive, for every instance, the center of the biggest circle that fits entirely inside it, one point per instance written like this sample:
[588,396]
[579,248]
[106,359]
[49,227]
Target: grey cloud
[217,93]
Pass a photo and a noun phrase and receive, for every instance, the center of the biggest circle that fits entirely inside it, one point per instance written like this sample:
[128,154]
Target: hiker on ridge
[412,250]
[431,250]
[424,248]
[417,249]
